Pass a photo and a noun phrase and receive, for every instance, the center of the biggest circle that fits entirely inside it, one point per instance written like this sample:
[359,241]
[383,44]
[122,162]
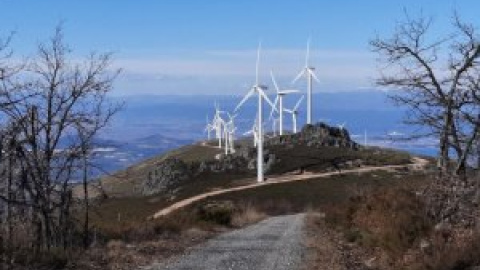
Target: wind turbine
[231,139]
[253,131]
[274,126]
[279,100]
[365,141]
[209,128]
[259,90]
[229,132]
[218,124]
[309,73]
[294,113]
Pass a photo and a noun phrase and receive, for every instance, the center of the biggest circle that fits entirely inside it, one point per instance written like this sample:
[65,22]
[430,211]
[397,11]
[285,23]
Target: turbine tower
[218,124]
[231,139]
[229,132]
[279,99]
[365,141]
[275,126]
[294,113]
[259,90]
[309,73]
[253,131]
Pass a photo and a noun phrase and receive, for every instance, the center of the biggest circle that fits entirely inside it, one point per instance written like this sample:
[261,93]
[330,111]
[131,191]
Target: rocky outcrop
[167,174]
[172,172]
[316,135]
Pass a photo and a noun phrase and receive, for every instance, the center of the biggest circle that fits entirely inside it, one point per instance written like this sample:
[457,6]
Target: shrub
[218,212]
[392,218]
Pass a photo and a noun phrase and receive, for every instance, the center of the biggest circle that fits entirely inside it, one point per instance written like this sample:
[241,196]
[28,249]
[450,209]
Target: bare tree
[58,109]
[9,70]
[438,80]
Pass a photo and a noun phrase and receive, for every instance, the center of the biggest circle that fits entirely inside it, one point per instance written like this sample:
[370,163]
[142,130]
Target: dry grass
[328,252]
[129,245]
[247,214]
[388,226]
[461,252]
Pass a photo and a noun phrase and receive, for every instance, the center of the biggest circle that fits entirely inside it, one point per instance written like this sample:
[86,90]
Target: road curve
[417,164]
[273,244]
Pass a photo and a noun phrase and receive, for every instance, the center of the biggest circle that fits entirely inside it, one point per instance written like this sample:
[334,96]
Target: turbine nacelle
[261,87]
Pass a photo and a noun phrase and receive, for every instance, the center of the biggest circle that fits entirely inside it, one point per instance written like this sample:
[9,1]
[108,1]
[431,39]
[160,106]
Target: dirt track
[418,163]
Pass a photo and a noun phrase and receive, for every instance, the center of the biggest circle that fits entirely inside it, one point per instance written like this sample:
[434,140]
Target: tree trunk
[444,145]
[85,191]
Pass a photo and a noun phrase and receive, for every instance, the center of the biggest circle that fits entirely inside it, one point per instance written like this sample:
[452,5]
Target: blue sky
[208,47]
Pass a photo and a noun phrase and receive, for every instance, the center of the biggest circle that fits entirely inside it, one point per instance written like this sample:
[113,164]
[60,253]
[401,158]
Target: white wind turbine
[259,90]
[231,139]
[342,125]
[279,99]
[309,73]
[254,132]
[294,113]
[209,128]
[218,125]
[275,126]
[229,134]
[365,140]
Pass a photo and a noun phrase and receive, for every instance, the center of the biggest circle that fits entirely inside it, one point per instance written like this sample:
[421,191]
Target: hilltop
[201,167]
[315,148]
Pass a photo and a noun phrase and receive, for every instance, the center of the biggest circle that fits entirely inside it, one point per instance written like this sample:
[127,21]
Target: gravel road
[275,243]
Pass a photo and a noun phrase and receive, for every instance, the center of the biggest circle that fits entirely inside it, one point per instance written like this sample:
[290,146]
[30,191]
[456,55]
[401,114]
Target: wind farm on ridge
[225,130]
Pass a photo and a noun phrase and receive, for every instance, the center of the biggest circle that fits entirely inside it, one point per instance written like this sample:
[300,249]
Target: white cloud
[226,70]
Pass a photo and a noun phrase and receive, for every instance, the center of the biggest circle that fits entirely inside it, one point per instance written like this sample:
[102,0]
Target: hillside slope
[316,148]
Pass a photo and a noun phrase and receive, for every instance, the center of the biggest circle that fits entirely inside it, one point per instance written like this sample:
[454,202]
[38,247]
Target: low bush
[390,218]
[217,212]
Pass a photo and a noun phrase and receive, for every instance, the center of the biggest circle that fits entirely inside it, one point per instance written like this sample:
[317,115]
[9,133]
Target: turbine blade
[299,76]
[288,91]
[288,111]
[314,76]
[274,106]
[298,103]
[258,62]
[245,98]
[248,133]
[264,96]
[274,81]
[308,52]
